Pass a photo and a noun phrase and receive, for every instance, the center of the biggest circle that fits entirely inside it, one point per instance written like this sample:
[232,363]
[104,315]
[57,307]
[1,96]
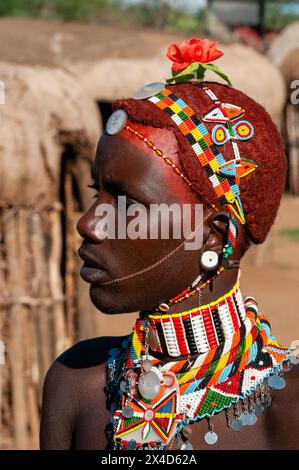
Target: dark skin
[74,414]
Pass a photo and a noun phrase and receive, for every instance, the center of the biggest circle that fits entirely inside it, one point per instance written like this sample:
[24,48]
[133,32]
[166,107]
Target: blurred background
[62,63]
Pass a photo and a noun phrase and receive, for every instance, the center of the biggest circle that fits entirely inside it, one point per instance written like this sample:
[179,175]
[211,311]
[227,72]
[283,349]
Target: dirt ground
[269,272]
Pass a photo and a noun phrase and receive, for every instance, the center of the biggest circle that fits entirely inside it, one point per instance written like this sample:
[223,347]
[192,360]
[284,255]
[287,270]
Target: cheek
[141,242]
[149,288]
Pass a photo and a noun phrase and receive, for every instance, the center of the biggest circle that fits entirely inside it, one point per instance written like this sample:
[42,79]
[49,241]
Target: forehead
[125,143]
[127,159]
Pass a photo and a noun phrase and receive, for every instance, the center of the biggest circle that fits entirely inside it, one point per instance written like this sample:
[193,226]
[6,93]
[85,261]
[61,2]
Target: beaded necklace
[154,400]
[200,329]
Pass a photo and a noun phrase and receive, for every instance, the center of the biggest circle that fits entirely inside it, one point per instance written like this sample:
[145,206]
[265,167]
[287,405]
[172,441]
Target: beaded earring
[231,240]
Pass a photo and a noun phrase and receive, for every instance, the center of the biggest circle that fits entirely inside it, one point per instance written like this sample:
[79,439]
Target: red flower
[194,50]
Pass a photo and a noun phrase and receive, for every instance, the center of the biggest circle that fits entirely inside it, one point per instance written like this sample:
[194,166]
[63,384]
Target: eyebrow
[115,186]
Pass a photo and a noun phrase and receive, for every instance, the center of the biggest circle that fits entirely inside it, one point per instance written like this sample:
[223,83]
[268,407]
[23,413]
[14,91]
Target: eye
[130,202]
[93,186]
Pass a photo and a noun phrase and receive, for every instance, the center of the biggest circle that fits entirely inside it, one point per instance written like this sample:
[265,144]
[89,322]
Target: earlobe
[219,222]
[215,231]
[221,234]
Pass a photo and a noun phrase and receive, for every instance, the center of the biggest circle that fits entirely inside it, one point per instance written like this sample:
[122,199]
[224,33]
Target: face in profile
[126,273]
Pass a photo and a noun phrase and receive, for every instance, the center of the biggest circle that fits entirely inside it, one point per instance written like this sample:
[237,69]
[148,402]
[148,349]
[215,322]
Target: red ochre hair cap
[260,191]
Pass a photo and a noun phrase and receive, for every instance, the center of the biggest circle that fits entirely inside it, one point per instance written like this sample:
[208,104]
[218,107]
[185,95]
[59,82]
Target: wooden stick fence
[36,322]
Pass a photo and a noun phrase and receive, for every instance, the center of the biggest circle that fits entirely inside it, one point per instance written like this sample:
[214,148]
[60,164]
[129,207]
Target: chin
[108,301]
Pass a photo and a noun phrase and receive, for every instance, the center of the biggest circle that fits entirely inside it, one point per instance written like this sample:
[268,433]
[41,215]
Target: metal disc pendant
[131,445]
[252,420]
[259,409]
[236,425]
[149,384]
[276,383]
[127,412]
[187,446]
[245,418]
[148,90]
[211,438]
[116,122]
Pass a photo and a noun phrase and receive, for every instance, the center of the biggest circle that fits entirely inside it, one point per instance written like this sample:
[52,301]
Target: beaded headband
[224,176]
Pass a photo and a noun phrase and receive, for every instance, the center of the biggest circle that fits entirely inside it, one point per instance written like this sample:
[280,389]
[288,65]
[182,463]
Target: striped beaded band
[207,152]
[224,352]
[200,329]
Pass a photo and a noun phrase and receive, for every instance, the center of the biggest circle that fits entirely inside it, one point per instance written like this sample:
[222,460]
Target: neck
[198,321]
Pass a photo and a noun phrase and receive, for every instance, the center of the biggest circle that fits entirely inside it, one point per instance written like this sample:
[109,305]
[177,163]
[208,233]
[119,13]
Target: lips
[91,271]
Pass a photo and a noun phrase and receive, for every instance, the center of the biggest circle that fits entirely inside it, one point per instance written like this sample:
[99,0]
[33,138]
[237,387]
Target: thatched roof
[43,111]
[111,62]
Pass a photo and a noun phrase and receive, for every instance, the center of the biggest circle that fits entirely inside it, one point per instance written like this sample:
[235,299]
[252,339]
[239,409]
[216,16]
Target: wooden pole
[70,262]
[40,285]
[16,324]
[56,288]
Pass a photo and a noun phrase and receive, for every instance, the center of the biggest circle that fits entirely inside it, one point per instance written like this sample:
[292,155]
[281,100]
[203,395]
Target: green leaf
[197,70]
[194,70]
[190,70]
[217,70]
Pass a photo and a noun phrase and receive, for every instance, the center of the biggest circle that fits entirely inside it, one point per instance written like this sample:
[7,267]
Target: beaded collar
[153,400]
[201,329]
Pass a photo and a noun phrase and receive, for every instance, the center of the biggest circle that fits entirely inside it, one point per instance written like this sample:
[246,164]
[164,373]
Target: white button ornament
[148,90]
[209,260]
[116,122]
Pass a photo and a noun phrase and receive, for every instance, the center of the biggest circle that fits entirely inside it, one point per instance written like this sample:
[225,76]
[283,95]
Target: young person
[201,366]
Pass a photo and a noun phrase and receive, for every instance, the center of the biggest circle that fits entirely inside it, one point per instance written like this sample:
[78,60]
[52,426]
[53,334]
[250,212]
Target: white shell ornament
[148,90]
[116,122]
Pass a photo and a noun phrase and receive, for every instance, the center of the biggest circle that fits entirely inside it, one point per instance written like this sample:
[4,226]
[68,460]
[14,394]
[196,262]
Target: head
[128,274]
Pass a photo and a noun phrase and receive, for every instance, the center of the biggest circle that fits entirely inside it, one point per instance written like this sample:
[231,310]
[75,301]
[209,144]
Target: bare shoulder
[71,381]
[283,420]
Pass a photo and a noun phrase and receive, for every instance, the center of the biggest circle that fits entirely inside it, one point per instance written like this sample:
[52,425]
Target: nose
[90,226]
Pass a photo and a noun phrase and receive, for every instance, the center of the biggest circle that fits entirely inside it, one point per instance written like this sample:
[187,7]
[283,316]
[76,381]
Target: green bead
[229,250]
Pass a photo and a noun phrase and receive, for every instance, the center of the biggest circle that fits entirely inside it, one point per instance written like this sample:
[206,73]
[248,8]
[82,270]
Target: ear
[216,231]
